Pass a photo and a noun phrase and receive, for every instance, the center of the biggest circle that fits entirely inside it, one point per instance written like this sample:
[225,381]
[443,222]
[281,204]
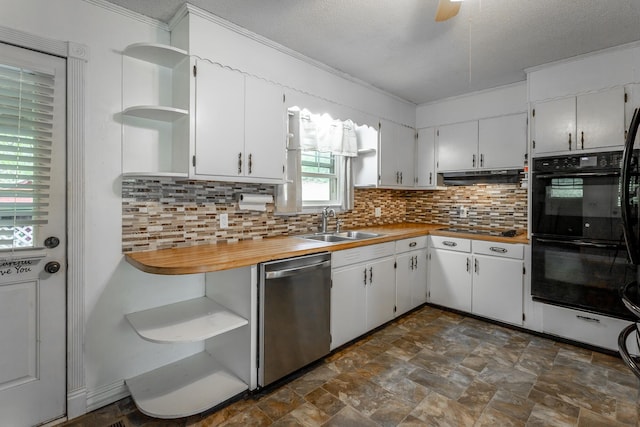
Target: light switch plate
[224,220]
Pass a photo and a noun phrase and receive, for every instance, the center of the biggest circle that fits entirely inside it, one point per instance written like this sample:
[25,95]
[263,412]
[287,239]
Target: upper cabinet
[458,146]
[239,126]
[155,114]
[485,144]
[397,148]
[426,174]
[502,142]
[590,121]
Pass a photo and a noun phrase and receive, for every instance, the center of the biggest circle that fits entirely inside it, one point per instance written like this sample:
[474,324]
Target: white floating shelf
[156,174]
[155,112]
[167,56]
[186,321]
[186,387]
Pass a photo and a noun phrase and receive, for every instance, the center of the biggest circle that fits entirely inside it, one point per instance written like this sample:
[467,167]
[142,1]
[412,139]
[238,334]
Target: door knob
[52,267]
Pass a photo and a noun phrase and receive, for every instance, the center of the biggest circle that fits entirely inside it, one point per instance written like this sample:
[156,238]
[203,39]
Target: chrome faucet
[326,213]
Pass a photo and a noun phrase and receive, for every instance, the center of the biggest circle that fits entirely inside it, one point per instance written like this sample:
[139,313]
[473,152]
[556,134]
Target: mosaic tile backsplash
[160,213]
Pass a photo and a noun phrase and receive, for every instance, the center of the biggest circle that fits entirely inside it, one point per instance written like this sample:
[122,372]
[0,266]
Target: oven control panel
[606,160]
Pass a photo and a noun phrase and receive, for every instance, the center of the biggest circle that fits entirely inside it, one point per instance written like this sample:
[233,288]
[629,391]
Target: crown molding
[128,13]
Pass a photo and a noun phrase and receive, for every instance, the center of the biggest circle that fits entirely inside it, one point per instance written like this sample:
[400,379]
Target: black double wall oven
[579,257]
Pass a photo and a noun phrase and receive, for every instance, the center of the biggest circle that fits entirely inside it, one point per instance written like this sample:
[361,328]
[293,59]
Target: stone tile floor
[432,368]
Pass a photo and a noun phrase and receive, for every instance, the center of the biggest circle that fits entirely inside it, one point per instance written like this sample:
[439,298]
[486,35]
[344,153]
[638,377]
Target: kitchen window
[322,179]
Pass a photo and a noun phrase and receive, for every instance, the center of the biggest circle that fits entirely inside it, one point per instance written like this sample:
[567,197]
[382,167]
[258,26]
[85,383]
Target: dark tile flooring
[433,368]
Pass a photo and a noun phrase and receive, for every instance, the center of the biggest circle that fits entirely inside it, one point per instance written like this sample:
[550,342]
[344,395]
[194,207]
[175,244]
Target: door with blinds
[32,237]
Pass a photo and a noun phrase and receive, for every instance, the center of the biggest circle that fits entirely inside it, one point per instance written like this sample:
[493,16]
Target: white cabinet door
[502,141]
[450,279]
[600,118]
[265,139]
[381,292]
[219,121]
[419,282]
[348,299]
[404,282]
[397,145]
[426,158]
[554,125]
[498,288]
[458,146]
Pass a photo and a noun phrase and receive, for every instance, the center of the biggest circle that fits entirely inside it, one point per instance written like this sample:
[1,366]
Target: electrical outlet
[224,220]
[378,212]
[464,212]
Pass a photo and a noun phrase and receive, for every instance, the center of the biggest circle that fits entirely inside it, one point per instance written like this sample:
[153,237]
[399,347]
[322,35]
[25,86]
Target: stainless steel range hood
[506,176]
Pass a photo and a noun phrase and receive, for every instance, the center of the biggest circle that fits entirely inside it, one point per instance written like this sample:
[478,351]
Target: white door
[554,125]
[450,279]
[600,119]
[219,121]
[32,217]
[458,146]
[426,158]
[264,133]
[502,141]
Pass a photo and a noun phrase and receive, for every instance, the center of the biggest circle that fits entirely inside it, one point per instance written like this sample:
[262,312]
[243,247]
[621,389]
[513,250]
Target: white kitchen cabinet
[397,149]
[411,273]
[498,281]
[224,319]
[583,122]
[502,142]
[457,147]
[479,277]
[239,127]
[485,144]
[362,292]
[450,273]
[426,173]
[155,117]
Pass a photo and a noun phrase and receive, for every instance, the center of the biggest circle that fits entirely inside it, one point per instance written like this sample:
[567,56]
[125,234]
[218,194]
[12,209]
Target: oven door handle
[578,175]
[579,243]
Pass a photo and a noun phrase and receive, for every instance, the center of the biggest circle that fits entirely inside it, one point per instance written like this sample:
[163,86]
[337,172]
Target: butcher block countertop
[224,256]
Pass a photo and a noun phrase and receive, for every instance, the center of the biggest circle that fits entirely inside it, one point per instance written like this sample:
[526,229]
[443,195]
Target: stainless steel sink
[343,236]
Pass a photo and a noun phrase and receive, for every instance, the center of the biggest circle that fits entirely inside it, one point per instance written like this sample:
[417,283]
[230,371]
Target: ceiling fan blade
[446,9]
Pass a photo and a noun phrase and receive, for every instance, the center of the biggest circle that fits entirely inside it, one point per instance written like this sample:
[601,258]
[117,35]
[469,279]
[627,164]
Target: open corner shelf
[155,175]
[186,321]
[156,112]
[186,387]
[164,55]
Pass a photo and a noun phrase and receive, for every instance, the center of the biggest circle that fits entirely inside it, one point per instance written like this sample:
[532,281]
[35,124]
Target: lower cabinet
[411,273]
[363,291]
[224,319]
[479,277]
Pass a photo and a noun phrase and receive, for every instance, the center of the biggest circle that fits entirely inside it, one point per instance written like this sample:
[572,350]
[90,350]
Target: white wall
[473,106]
[113,351]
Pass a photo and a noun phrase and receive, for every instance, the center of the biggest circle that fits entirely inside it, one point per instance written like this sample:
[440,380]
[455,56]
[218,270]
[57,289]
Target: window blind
[26,131]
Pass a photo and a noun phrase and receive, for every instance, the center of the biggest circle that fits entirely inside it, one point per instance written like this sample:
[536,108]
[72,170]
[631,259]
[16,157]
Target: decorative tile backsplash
[160,213]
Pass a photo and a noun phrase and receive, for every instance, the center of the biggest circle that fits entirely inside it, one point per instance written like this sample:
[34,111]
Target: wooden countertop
[224,256]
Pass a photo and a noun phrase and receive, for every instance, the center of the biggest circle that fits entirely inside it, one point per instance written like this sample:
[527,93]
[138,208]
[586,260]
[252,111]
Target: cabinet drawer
[590,328]
[505,250]
[451,243]
[361,254]
[406,245]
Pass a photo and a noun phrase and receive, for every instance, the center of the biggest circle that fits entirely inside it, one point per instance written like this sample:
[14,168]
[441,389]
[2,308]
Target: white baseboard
[106,395]
[76,403]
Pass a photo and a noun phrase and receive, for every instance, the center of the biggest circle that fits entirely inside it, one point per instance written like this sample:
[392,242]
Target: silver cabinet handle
[412,264]
[365,276]
[250,163]
[475,266]
[413,244]
[467,265]
[481,160]
[449,243]
[498,249]
[473,163]
[239,163]
[569,141]
[400,177]
[370,275]
[416,263]
[397,177]
[430,177]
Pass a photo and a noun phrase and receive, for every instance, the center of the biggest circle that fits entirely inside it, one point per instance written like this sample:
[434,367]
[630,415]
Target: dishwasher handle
[287,272]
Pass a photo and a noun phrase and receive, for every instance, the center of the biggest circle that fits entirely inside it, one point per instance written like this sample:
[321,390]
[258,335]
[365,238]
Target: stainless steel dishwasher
[294,304]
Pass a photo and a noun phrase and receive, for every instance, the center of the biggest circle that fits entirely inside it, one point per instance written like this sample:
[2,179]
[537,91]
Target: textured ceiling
[396,46]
